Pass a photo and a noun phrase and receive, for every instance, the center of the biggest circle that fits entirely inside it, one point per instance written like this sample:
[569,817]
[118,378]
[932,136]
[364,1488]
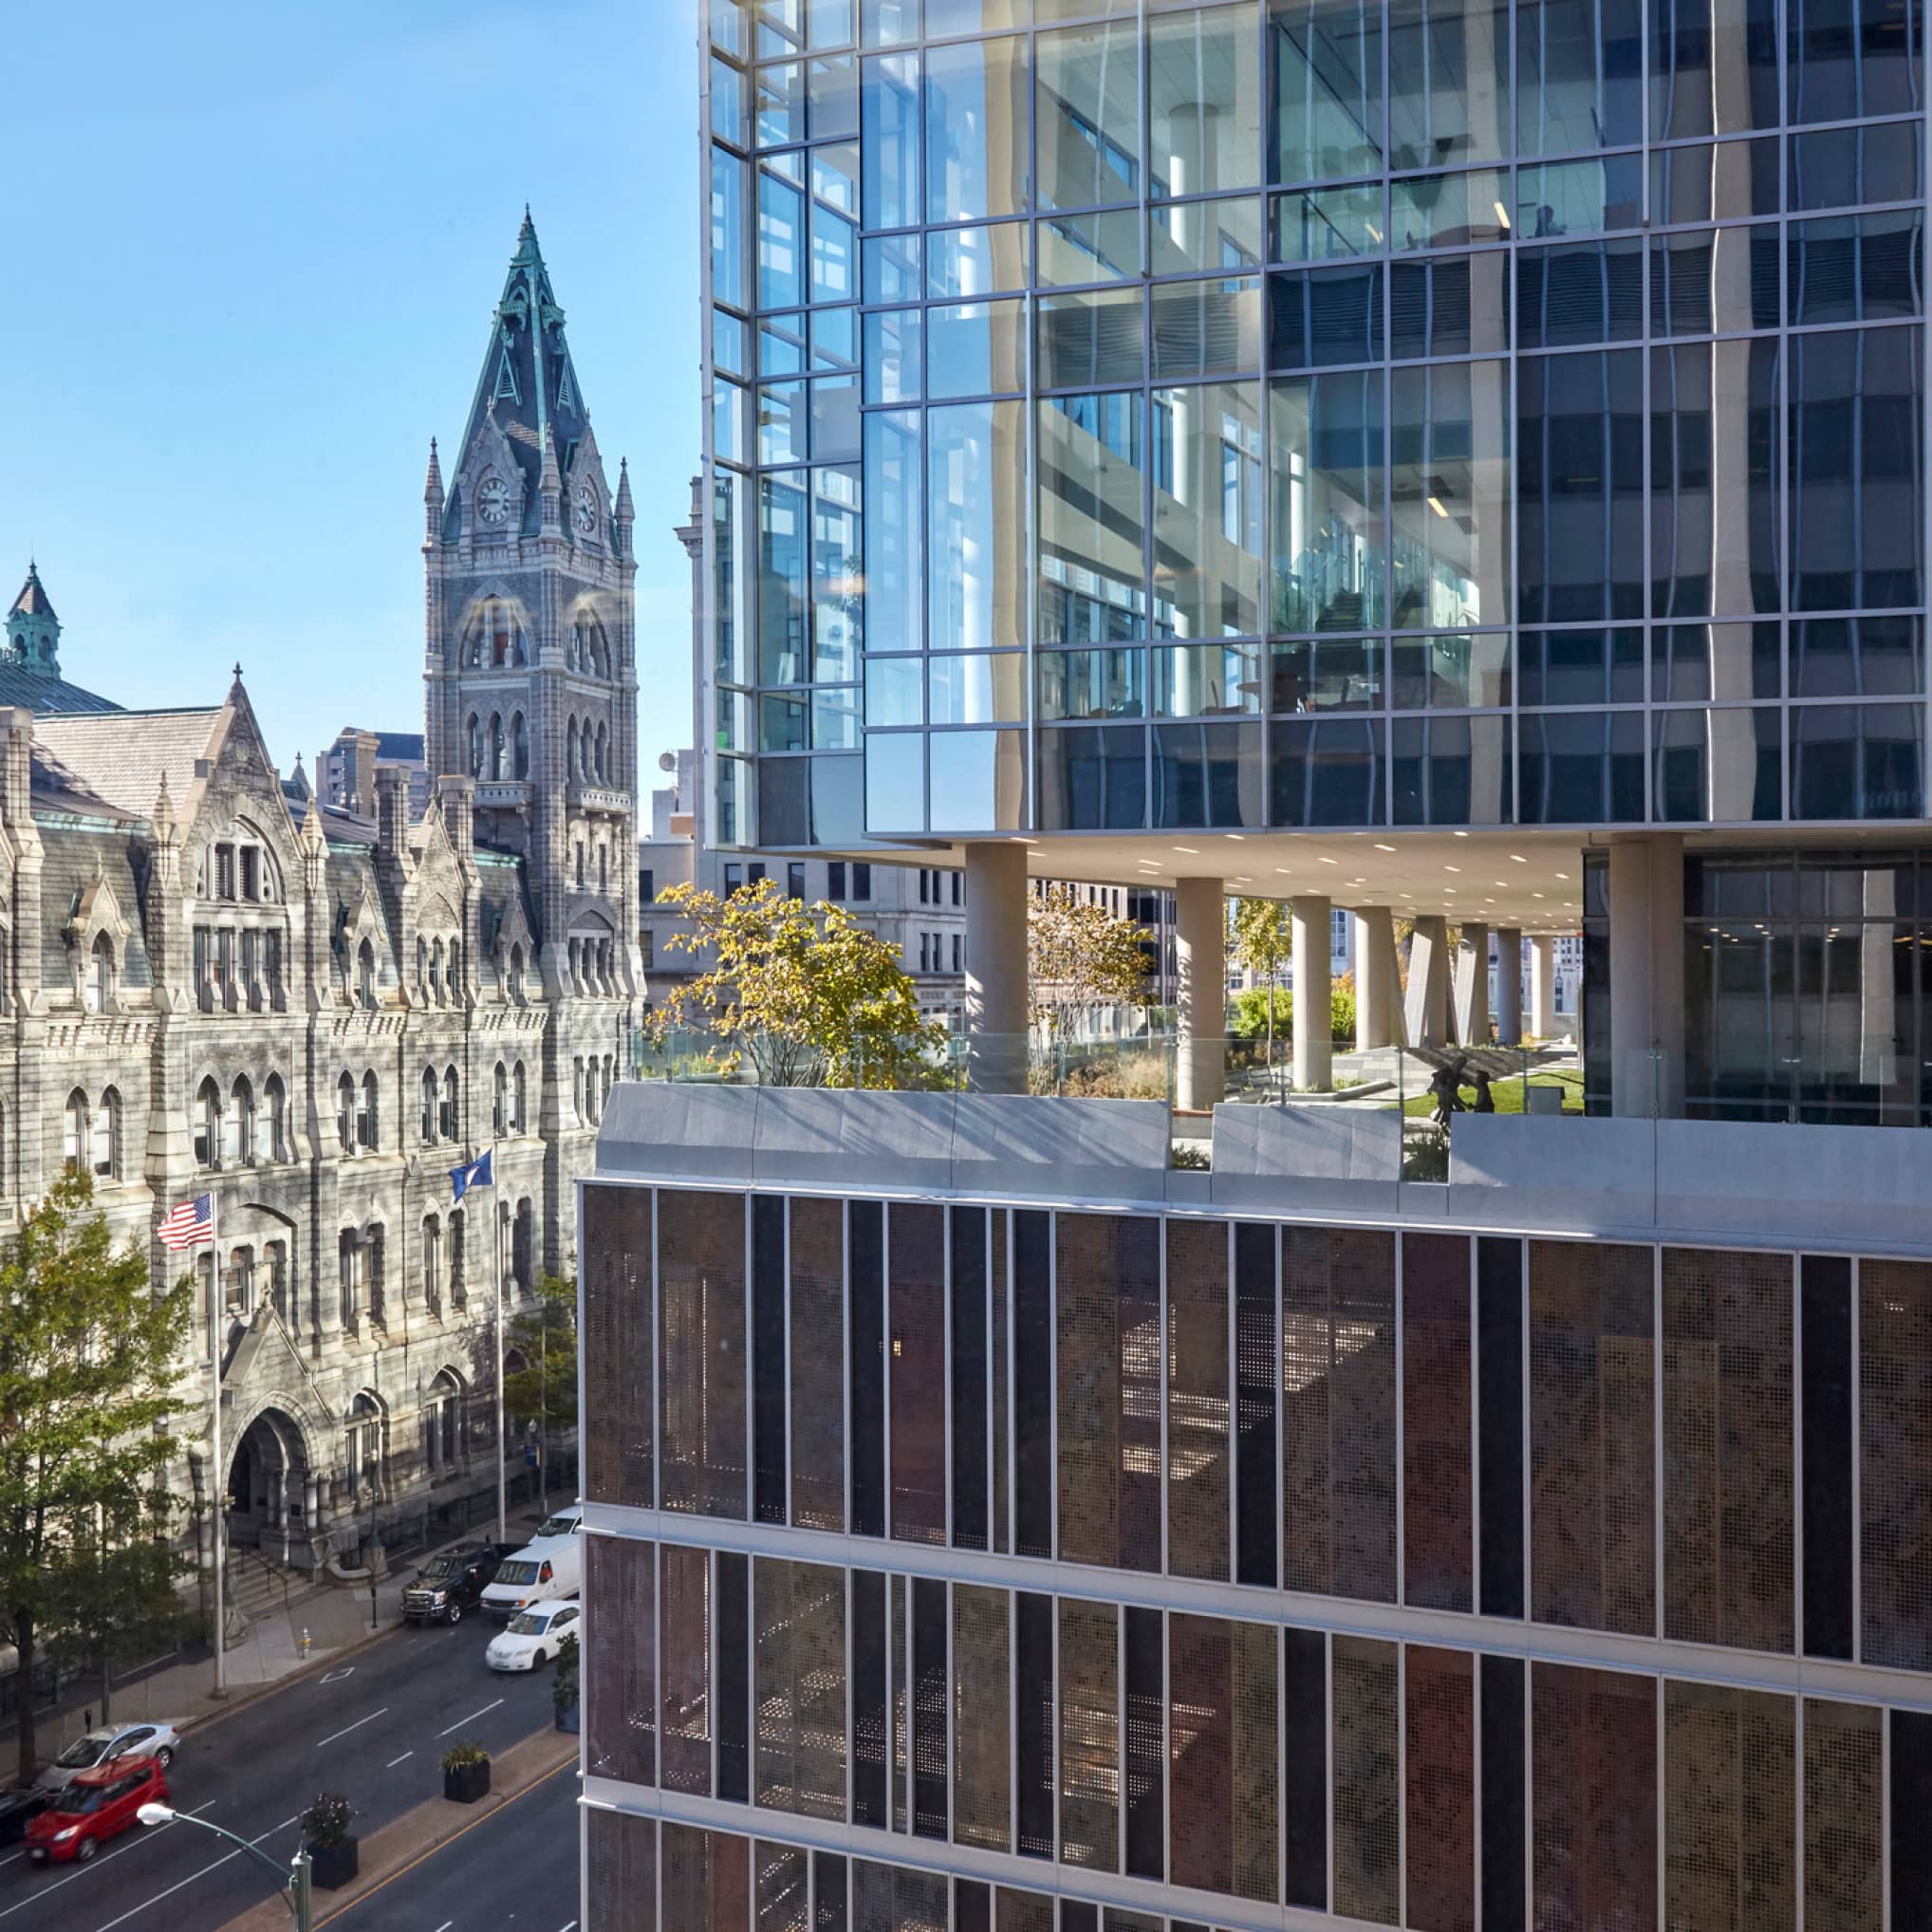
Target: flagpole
[220,1498]
[496,1243]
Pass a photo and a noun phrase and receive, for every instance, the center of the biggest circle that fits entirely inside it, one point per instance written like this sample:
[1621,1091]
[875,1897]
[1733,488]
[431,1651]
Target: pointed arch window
[240,1137]
[368,1128]
[497,745]
[107,1136]
[446,1121]
[365,975]
[570,755]
[476,746]
[207,1123]
[363,1433]
[519,745]
[277,1097]
[442,1428]
[429,1106]
[345,1113]
[519,1094]
[77,1138]
[499,1100]
[513,984]
[602,752]
[101,975]
[435,972]
[432,1263]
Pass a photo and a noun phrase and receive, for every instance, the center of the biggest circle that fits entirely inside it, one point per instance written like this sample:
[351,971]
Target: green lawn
[1508,1094]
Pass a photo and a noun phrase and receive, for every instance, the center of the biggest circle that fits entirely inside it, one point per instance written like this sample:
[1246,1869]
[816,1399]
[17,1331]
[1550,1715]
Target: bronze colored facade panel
[817,1350]
[1845,1816]
[1895,1429]
[1438,1542]
[1440,1765]
[1593,1805]
[799,1686]
[916,1265]
[618,1437]
[1368,1794]
[1730,1808]
[621,1871]
[701,1322]
[620,1679]
[1198,1534]
[687,1728]
[1090,1677]
[1593,1436]
[982,1721]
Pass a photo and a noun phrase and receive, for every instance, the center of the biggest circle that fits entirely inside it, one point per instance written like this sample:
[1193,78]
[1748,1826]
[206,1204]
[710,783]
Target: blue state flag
[476,1174]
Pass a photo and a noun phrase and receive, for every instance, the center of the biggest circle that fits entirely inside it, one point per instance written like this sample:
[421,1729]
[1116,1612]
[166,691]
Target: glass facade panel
[1091,464]
[1449,495]
[1325,117]
[1086,103]
[1206,463]
[1203,103]
[976,164]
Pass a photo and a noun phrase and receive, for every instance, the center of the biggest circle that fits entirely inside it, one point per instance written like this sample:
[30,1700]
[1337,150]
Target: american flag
[190,1224]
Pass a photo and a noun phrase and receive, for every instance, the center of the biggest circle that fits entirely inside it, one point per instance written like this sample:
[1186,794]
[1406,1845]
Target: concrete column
[1314,1069]
[1472,985]
[1646,975]
[1542,988]
[1378,986]
[1200,932]
[997,965]
[1428,994]
[1509,985]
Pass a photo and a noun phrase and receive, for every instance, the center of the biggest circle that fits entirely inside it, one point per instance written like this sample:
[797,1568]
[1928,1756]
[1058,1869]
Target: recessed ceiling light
[1285,870]
[1195,849]
[1437,507]
[1450,890]
[1239,838]
[1563,875]
[1462,835]
[1519,859]
[1452,868]
[1380,847]
[1535,895]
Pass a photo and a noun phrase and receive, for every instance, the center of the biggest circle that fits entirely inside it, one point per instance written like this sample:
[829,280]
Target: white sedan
[533,1636]
[146,1737]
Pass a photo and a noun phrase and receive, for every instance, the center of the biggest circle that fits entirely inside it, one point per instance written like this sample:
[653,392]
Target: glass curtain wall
[1316,412]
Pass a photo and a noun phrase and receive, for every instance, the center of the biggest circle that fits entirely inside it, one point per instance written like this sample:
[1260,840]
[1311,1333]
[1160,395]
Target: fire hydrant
[305,1644]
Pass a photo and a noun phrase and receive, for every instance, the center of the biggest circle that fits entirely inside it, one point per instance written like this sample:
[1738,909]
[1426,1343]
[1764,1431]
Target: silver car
[146,1738]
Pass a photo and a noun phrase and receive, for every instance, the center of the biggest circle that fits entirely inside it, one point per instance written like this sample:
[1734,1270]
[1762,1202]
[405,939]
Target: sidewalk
[334,1619]
[395,1847]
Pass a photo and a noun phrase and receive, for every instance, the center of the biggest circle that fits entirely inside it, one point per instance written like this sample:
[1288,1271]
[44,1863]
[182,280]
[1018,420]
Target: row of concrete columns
[997,889]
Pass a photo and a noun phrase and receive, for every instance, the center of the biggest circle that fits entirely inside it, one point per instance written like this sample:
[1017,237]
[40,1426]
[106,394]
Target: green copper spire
[33,632]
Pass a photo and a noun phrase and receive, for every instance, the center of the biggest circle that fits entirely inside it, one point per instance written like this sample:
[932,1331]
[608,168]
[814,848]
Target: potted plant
[564,1691]
[466,1772]
[332,1846]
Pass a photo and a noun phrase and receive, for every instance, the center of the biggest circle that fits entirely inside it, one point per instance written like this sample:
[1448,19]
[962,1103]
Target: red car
[97,1806]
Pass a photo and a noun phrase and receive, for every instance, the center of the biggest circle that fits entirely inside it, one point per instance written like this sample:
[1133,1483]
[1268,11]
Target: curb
[241,1700]
[426,1829]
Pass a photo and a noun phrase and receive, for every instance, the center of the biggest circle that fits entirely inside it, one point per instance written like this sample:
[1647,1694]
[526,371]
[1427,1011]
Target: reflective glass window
[1092,471]
[1327,316]
[1579,74]
[781,104]
[894,530]
[1713,66]
[890,268]
[976,16]
[1329,772]
[1328,566]
[1580,487]
[1853,60]
[1087,98]
[1208,775]
[1721,661]
[1706,281]
[729,120]
[1857,469]
[1583,292]
[1717,767]
[1325,117]
[1327,223]
[1205,328]
[838,583]
[1191,680]
[730,422]
[1453,770]
[1448,81]
[835,432]
[964,263]
[784,575]
[1713,546]
[1449,495]
[832,89]
[895,691]
[1093,778]
[783,724]
[1100,337]
[781,241]
[1581,767]
[1203,103]
[1070,250]
[975,349]
[1714,181]
[1449,305]
[1856,268]
[977,526]
[1205,454]
[1328,674]
[976,134]
[782,345]
[895,781]
[731,230]
[980,689]
[835,339]
[1847,167]
[834,256]
[1186,237]
[1579,198]
[1857,761]
[895,360]
[1091,684]
[1450,673]
[978,780]
[1582,667]
[1449,210]
[1857,657]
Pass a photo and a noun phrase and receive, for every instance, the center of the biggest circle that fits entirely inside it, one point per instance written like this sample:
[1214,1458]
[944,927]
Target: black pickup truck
[452,1581]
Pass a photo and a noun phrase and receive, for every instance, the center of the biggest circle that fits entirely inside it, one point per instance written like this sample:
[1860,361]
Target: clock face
[586,510]
[492,499]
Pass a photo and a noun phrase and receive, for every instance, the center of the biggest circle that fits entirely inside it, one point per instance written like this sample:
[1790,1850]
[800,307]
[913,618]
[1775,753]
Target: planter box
[571,1719]
[467,1783]
[331,1867]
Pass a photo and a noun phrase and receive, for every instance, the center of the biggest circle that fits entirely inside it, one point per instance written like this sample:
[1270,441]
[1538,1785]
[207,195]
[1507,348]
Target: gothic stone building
[216,980]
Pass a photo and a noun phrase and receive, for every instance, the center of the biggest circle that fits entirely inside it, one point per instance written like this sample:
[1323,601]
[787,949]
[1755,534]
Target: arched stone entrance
[270,1493]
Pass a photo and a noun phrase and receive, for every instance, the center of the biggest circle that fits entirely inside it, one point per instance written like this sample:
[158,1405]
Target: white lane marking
[445,1925]
[395,1761]
[347,1728]
[571,1926]
[337,1676]
[135,1911]
[472,1717]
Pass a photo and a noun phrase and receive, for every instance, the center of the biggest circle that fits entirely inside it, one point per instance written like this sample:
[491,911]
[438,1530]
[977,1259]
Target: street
[372,1728]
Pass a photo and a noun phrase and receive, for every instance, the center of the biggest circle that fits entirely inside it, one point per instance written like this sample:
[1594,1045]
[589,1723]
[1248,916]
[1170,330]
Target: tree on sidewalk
[544,1390]
[805,993]
[89,1380]
[1264,944]
[1079,956]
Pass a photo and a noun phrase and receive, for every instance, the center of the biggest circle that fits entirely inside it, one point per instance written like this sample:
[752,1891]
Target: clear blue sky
[251,257]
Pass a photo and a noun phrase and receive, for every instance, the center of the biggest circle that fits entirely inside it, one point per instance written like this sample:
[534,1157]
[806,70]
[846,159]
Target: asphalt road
[372,1728]
[513,1871]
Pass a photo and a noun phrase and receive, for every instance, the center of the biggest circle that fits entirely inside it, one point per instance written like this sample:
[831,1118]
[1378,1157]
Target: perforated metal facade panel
[1895,1430]
[619,1347]
[619,1680]
[1730,1808]
[818,1364]
[1437,1547]
[1593,1784]
[1844,1817]
[1199,1539]
[701,1320]
[1367,1783]
[916,1239]
[684,1607]
[621,1871]
[1439,1762]
[799,1686]
[1089,1733]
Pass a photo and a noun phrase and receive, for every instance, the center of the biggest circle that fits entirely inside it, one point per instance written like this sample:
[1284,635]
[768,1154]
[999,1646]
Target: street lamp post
[294,1881]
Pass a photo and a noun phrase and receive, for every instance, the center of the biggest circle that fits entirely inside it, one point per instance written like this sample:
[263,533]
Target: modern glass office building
[1150,430]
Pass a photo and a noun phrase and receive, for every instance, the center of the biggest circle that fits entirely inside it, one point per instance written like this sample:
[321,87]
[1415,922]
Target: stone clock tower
[530,666]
